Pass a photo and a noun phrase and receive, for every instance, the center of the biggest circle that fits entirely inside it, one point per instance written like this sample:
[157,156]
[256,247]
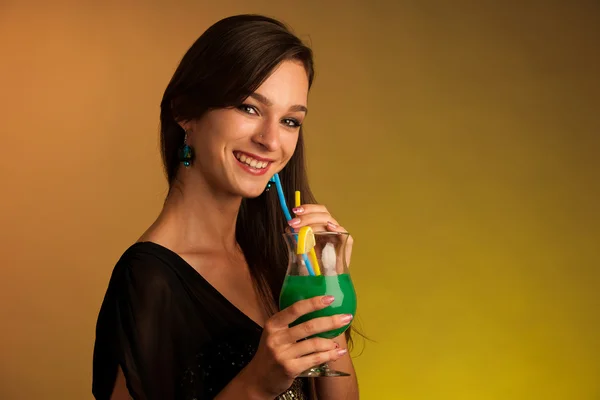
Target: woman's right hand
[281,357]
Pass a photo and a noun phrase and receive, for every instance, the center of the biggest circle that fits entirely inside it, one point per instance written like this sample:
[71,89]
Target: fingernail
[294,222]
[346,318]
[331,224]
[341,352]
[298,210]
[328,299]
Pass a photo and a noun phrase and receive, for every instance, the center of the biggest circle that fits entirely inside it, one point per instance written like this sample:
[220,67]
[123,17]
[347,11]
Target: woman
[191,308]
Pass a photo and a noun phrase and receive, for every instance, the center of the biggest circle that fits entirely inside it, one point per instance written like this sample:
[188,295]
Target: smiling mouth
[251,162]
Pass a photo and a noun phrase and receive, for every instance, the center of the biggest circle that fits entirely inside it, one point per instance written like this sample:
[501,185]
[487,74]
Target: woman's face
[237,150]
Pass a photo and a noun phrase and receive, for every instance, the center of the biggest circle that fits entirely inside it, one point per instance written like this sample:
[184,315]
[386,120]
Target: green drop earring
[186,152]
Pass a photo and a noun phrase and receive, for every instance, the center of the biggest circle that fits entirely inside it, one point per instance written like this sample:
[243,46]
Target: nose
[268,135]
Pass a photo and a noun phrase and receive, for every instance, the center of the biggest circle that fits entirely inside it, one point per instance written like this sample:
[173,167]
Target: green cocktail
[296,288]
[317,267]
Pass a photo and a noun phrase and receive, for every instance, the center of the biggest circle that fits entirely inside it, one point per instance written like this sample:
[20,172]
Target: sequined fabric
[221,360]
[297,391]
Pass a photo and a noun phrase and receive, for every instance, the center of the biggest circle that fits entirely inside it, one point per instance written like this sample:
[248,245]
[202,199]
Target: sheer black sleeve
[172,333]
[140,328]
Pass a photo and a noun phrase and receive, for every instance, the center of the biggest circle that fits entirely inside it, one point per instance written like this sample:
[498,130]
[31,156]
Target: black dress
[173,334]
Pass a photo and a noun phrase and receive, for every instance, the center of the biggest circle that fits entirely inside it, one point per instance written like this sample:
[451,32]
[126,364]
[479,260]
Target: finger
[333,227]
[318,325]
[312,219]
[349,244]
[288,315]
[314,345]
[310,208]
[306,362]
[349,241]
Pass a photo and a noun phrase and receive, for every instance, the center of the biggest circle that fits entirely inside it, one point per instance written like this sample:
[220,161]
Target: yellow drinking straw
[314,261]
[313,256]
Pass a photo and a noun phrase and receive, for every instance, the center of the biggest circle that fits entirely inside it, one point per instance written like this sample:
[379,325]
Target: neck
[196,217]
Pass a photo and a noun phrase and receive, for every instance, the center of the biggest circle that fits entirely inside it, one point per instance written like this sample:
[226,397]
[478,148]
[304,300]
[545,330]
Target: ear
[185,125]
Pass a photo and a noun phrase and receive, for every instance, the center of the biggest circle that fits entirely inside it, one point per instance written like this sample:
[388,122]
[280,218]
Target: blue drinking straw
[275,179]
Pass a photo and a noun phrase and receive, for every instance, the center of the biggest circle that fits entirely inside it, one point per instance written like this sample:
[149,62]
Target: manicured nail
[298,210]
[331,224]
[294,222]
[328,300]
[341,352]
[346,318]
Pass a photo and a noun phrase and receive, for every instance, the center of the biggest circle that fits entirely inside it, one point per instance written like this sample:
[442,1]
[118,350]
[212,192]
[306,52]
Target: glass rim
[318,233]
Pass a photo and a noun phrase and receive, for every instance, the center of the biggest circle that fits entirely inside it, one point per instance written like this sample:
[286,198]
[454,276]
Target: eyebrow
[262,99]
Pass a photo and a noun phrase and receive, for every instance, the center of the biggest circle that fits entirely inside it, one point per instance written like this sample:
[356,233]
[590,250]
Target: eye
[292,123]
[248,109]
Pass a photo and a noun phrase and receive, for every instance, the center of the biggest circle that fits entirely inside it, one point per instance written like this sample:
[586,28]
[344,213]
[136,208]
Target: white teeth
[251,161]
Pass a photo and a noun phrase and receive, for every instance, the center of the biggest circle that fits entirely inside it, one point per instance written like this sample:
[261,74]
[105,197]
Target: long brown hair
[221,69]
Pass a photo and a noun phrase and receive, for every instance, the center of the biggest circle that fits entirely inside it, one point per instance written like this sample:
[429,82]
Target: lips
[251,160]
[251,163]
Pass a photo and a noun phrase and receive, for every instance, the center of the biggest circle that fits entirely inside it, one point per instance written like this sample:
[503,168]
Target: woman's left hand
[319,219]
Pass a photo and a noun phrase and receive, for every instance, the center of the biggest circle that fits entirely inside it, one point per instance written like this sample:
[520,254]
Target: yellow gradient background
[458,141]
